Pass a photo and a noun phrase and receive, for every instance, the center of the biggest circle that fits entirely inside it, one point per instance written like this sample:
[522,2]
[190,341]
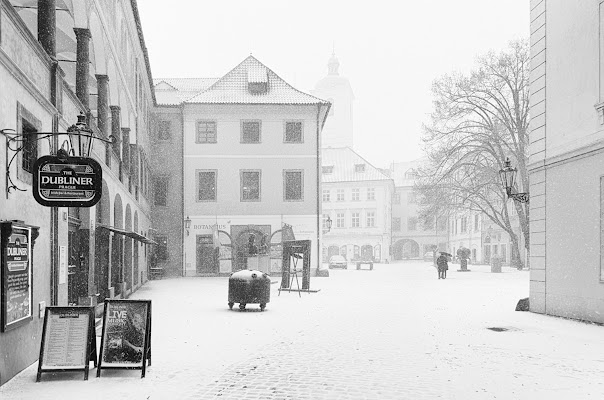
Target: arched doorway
[405,249]
[117,247]
[135,250]
[101,239]
[262,238]
[367,252]
[128,249]
[332,251]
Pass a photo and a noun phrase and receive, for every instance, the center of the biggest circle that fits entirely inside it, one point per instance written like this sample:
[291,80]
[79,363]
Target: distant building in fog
[338,130]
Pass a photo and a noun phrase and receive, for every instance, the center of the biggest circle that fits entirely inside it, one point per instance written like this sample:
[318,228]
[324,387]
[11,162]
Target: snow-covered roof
[343,164]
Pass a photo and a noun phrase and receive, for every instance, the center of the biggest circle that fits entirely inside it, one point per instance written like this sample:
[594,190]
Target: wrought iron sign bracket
[80,132]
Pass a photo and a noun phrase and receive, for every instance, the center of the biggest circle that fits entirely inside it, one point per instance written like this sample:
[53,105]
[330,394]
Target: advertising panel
[126,338]
[16,278]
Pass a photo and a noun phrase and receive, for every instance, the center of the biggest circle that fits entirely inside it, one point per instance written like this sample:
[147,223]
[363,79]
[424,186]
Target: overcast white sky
[390,50]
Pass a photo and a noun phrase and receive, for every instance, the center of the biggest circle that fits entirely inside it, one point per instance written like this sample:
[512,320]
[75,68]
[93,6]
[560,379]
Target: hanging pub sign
[67,182]
[126,337]
[68,340]
[17,246]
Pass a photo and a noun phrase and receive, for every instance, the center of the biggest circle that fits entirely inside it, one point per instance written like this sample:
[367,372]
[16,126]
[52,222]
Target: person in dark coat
[442,265]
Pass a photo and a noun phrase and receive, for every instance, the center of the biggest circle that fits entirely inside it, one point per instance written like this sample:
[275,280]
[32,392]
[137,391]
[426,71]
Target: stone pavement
[396,332]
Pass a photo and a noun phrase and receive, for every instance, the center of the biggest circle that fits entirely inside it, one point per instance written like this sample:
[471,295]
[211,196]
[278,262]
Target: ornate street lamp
[508,179]
[80,137]
[187,224]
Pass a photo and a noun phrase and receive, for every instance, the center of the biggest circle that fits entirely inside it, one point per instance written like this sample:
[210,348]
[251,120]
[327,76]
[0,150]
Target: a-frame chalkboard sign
[68,340]
[126,338]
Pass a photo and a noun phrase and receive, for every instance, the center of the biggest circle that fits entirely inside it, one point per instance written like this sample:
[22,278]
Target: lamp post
[508,179]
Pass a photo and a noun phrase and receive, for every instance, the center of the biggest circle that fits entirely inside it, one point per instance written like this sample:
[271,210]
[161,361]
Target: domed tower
[337,131]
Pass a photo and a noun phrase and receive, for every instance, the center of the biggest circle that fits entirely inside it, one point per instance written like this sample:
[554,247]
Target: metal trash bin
[249,286]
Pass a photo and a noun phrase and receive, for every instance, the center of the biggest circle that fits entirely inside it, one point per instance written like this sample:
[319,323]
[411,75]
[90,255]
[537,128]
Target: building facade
[356,196]
[411,238]
[80,256]
[566,159]
[250,151]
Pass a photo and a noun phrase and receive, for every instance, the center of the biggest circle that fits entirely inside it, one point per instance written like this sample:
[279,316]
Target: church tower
[337,131]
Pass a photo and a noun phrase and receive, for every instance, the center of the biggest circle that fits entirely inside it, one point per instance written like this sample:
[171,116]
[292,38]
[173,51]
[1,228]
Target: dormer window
[257,80]
[359,168]
[327,169]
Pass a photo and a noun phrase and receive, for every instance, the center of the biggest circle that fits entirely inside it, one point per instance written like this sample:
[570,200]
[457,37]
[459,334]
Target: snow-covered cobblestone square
[396,332]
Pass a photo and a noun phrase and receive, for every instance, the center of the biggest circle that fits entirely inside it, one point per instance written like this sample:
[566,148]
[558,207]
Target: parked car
[338,262]
[429,256]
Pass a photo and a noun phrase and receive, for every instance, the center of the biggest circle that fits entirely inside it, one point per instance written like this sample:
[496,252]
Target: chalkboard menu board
[126,338]
[68,340]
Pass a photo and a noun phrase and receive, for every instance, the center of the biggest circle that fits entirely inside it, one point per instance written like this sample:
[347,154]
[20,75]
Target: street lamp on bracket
[80,136]
[187,224]
[508,179]
[328,223]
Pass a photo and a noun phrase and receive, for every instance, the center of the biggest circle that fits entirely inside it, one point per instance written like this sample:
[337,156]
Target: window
[206,185]
[397,198]
[293,185]
[30,147]
[476,222]
[356,194]
[326,195]
[356,220]
[206,132]
[250,185]
[370,219]
[370,193]
[464,224]
[328,169]
[250,131]
[359,168]
[412,224]
[163,131]
[161,251]
[396,224]
[161,190]
[293,132]
[411,198]
[340,195]
[340,220]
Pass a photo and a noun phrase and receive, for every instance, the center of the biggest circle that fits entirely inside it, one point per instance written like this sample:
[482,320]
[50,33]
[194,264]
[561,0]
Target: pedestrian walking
[442,265]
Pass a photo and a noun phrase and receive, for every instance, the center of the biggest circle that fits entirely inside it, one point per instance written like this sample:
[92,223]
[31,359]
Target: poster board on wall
[68,340]
[126,337]
[16,243]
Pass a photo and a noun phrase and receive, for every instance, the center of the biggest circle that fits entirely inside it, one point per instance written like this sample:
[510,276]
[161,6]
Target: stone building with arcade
[60,59]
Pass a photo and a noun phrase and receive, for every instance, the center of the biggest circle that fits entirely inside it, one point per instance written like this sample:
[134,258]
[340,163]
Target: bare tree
[478,120]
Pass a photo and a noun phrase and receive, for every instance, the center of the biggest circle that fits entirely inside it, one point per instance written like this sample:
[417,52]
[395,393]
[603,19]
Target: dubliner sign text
[67,182]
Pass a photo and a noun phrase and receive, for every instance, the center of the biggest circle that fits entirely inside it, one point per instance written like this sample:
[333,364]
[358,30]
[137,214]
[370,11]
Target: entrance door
[487,254]
[367,252]
[77,269]
[207,260]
